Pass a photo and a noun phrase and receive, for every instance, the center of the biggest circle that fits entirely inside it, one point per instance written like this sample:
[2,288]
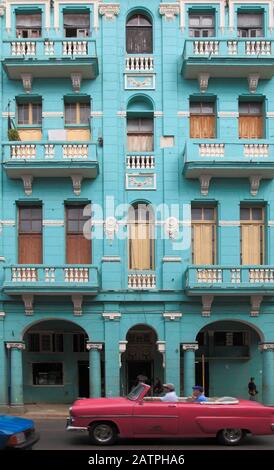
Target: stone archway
[228,355]
[55,362]
[142,357]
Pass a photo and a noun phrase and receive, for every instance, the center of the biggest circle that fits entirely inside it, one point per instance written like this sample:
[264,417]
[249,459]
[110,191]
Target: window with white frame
[28,25]
[250,25]
[76,25]
[201,25]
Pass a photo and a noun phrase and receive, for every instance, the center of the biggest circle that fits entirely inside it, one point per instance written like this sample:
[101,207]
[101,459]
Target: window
[45,342]
[202,120]
[252,235]
[203,227]
[30,235]
[47,373]
[141,237]
[29,114]
[201,26]
[79,342]
[77,113]
[139,35]
[140,134]
[78,247]
[250,25]
[251,123]
[230,338]
[28,25]
[201,338]
[76,25]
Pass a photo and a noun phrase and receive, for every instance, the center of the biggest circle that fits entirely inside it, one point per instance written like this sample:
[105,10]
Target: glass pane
[84,113]
[220,338]
[73,213]
[250,20]
[194,20]
[25,226]
[245,213]
[36,226]
[257,213]
[139,40]
[36,213]
[243,108]
[25,213]
[207,21]
[209,213]
[29,20]
[36,113]
[195,108]
[207,108]
[70,113]
[132,125]
[76,20]
[255,108]
[146,125]
[72,226]
[138,20]
[196,213]
[23,113]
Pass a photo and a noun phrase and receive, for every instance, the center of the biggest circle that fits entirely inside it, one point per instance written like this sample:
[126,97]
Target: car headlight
[16,439]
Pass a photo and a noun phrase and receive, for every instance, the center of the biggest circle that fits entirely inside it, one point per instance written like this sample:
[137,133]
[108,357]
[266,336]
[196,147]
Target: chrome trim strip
[124,416]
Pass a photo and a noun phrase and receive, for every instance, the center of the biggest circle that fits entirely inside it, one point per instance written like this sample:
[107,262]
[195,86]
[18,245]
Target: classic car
[17,433]
[138,415]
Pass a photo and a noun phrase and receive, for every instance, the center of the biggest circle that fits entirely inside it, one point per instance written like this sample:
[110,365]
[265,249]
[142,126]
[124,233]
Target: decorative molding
[172,315]
[27,182]
[111,227]
[111,315]
[76,184]
[270,114]
[207,302]
[229,223]
[190,347]
[183,4]
[10,3]
[139,81]
[111,259]
[184,114]
[122,349]
[232,11]
[172,227]
[76,79]
[253,81]
[2,316]
[7,114]
[271,223]
[9,223]
[172,259]
[57,10]
[2,10]
[96,114]
[255,301]
[49,114]
[141,181]
[2,258]
[28,303]
[90,346]
[228,114]
[16,345]
[158,114]
[27,81]
[161,346]
[109,10]
[204,182]
[254,184]
[203,79]
[266,347]
[169,10]
[122,114]
[77,301]
[53,223]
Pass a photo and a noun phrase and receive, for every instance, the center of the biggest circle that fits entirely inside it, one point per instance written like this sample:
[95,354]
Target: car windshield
[136,392]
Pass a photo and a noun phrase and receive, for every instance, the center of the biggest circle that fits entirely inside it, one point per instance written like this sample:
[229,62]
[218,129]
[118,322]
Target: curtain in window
[76,20]
[29,21]
[250,20]
[140,143]
[141,241]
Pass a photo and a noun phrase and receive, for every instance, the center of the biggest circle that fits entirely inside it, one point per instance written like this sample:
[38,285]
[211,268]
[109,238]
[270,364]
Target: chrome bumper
[70,427]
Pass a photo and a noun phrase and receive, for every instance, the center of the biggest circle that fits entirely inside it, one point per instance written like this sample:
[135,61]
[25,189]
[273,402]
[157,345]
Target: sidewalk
[37,411]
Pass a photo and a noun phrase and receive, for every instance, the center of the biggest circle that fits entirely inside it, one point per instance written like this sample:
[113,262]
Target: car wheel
[231,436]
[103,434]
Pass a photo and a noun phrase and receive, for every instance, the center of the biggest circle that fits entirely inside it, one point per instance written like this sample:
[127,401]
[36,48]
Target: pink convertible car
[136,415]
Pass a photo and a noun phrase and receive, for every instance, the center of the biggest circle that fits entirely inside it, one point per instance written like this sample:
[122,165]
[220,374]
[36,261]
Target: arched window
[141,237]
[139,35]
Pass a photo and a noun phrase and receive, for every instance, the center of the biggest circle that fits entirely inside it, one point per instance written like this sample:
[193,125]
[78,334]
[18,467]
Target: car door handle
[172,406]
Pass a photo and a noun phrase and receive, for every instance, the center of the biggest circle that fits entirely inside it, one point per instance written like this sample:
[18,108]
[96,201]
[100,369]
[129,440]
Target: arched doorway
[227,357]
[141,357]
[55,362]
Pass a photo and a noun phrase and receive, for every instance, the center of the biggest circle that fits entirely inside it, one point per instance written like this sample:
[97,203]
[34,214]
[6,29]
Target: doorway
[83,379]
[135,368]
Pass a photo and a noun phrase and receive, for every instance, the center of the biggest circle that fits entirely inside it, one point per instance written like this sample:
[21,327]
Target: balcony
[28,160]
[216,281]
[140,161]
[44,58]
[244,57]
[204,160]
[31,280]
[139,72]
[142,280]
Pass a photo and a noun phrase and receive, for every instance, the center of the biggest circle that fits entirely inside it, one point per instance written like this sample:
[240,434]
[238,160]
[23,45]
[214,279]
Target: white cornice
[48,114]
[53,223]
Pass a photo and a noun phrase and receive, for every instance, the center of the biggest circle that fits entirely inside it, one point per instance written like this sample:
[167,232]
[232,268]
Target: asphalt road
[53,436]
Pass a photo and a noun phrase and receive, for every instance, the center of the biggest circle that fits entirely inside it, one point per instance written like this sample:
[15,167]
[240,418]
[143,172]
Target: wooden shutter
[78,248]
[141,243]
[202,127]
[251,243]
[203,243]
[250,127]
[30,235]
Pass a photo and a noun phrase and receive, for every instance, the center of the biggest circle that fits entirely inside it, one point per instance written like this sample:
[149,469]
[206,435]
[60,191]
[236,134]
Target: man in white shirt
[170,394]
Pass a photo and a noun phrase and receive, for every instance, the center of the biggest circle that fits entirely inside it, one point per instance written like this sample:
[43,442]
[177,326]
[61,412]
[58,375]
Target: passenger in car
[197,395]
[170,394]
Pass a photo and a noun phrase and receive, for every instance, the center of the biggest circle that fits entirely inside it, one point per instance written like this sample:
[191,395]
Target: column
[94,368]
[172,352]
[112,366]
[16,373]
[189,367]
[267,350]
[3,374]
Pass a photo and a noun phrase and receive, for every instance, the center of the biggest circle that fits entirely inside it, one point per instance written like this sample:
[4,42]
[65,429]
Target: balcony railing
[142,280]
[57,151]
[50,279]
[218,54]
[139,64]
[140,161]
[236,280]
[45,48]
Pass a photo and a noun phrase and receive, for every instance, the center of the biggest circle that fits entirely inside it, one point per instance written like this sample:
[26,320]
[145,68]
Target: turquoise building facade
[106,108]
